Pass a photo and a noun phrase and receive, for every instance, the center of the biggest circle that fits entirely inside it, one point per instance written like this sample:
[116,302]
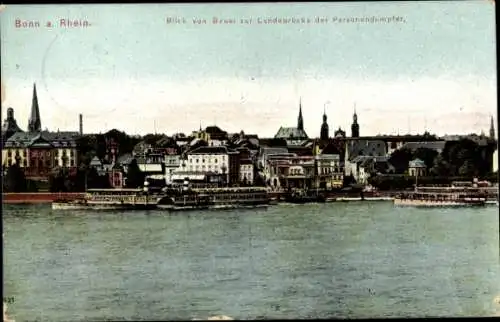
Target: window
[71,153]
[25,163]
[9,153]
[197,160]
[203,160]
[24,153]
[215,160]
[47,163]
[48,154]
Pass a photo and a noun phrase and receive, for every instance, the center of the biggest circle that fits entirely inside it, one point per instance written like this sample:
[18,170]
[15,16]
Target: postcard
[249,161]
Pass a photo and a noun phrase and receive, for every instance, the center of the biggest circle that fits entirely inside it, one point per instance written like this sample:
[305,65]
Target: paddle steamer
[214,198]
[110,199]
[442,197]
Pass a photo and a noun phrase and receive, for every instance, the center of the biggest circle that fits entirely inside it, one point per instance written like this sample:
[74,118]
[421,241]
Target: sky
[432,66]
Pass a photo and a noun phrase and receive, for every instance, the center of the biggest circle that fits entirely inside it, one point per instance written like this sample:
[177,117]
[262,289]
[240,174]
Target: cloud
[261,105]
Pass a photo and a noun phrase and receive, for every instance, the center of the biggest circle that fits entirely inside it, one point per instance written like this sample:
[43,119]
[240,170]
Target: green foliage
[426,155]
[135,177]
[458,158]
[14,180]
[400,159]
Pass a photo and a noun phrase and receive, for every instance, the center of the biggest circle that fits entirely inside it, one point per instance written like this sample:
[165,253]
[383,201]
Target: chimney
[80,117]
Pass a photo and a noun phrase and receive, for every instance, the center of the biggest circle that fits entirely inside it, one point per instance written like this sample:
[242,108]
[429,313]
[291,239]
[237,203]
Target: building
[329,167]
[495,161]
[293,135]
[492,128]
[290,171]
[324,131]
[328,171]
[340,133]
[417,167]
[9,126]
[437,146]
[213,135]
[355,125]
[34,122]
[38,153]
[361,148]
[116,177]
[152,165]
[172,163]
[246,172]
[207,160]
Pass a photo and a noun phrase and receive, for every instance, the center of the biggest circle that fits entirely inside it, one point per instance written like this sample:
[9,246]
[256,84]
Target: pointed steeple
[492,128]
[34,122]
[324,132]
[300,121]
[355,125]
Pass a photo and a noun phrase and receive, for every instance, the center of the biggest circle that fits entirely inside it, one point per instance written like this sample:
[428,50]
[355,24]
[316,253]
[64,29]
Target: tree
[400,159]
[15,180]
[440,167]
[467,169]
[135,177]
[427,155]
[57,180]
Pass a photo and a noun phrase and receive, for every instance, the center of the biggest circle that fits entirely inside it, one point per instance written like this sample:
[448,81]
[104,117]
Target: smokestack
[80,117]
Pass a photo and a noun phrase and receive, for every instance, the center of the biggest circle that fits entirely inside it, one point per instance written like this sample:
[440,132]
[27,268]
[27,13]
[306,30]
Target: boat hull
[69,206]
[436,203]
[101,206]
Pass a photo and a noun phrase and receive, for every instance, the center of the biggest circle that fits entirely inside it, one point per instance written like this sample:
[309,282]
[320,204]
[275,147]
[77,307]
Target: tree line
[460,160]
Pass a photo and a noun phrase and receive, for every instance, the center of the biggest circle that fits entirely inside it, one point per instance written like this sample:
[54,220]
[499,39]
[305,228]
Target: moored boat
[442,197]
[110,199]
[214,198]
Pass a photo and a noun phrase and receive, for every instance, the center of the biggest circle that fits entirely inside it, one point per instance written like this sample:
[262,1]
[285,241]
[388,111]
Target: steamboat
[110,199]
[302,197]
[442,197]
[214,198]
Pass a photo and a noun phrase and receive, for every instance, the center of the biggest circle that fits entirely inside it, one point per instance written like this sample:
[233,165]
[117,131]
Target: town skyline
[251,78]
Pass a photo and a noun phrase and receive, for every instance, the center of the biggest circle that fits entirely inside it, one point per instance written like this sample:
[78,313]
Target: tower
[80,121]
[492,128]
[9,124]
[355,125]
[34,122]
[324,127]
[300,121]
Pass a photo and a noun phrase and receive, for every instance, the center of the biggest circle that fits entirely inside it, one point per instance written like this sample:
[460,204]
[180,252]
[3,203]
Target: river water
[349,260]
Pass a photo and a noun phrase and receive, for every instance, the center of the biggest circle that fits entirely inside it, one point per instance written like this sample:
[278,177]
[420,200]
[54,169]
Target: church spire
[355,125]
[492,128]
[34,122]
[324,132]
[300,121]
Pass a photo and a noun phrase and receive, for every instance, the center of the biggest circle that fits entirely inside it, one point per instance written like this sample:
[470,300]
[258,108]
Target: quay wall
[38,197]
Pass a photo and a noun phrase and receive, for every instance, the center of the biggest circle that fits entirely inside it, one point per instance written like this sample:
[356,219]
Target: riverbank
[38,197]
[49,197]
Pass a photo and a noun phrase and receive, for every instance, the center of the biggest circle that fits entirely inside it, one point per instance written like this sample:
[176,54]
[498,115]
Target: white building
[172,163]
[329,170]
[247,172]
[211,159]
